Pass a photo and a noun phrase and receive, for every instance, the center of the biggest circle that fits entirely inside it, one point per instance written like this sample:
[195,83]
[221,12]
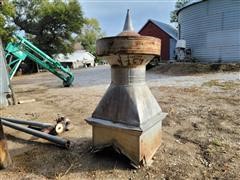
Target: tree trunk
[5,159]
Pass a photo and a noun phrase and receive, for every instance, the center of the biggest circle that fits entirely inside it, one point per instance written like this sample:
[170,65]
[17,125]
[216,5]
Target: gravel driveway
[101,76]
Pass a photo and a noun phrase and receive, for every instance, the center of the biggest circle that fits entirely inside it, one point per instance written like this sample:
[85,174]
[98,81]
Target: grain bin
[211,29]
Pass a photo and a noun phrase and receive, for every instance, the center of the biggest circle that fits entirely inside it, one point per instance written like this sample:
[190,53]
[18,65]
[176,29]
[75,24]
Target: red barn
[166,33]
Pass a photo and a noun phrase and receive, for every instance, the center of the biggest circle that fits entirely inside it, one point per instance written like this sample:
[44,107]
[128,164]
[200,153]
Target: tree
[51,25]
[179,4]
[90,33]
[7,11]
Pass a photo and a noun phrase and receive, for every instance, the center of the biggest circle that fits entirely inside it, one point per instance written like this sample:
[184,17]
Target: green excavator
[23,49]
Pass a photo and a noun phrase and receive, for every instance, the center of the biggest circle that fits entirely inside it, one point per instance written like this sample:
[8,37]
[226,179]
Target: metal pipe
[57,140]
[30,123]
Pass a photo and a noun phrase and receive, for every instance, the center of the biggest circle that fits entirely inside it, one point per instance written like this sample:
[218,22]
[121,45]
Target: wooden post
[5,159]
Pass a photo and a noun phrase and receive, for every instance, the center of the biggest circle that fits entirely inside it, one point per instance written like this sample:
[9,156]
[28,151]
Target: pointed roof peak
[128,23]
[128,29]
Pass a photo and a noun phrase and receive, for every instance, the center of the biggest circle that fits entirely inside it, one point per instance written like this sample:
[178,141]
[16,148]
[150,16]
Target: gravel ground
[201,135]
[101,75]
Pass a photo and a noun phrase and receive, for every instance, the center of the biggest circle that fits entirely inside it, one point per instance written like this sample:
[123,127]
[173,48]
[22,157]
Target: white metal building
[77,59]
[211,29]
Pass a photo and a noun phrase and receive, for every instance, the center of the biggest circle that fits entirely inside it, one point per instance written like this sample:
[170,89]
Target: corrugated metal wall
[173,43]
[4,80]
[211,29]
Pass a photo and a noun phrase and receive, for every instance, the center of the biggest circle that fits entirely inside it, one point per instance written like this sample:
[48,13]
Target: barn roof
[171,31]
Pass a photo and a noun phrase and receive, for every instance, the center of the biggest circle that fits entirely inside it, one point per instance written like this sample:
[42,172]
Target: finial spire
[128,29]
[128,23]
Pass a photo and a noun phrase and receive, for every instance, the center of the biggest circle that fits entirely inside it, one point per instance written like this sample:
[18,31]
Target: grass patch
[195,68]
[216,142]
[227,85]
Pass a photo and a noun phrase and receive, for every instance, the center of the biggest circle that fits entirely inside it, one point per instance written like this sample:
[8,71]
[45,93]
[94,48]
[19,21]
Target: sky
[111,13]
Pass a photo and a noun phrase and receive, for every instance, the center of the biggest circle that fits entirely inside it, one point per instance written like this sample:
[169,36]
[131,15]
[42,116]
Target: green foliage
[179,4]
[50,24]
[90,33]
[7,11]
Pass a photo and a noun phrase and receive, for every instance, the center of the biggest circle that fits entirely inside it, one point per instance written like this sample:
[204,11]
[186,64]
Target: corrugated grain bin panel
[212,30]
[4,80]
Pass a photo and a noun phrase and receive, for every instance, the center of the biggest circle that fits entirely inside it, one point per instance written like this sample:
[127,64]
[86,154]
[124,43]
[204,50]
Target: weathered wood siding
[151,29]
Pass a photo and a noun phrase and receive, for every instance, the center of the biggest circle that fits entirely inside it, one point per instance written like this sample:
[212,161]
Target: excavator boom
[23,49]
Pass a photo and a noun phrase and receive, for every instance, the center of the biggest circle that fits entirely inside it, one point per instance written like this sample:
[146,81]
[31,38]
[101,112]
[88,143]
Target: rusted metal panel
[128,45]
[139,147]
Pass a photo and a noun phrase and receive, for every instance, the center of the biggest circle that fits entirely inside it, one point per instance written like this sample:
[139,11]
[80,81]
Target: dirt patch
[194,68]
[201,135]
